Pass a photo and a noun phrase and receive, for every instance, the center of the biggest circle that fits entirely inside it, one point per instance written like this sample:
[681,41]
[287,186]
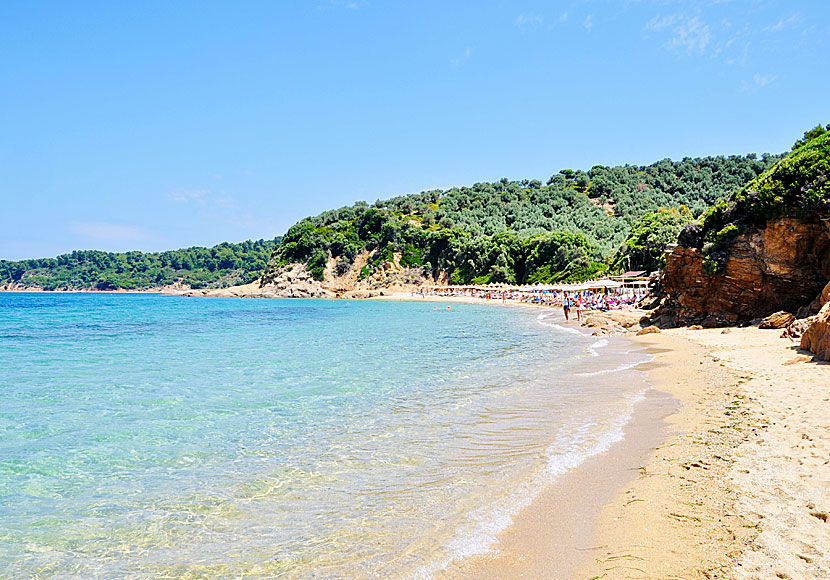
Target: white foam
[598,344]
[543,319]
[560,463]
[487,523]
[479,537]
[622,367]
[563,328]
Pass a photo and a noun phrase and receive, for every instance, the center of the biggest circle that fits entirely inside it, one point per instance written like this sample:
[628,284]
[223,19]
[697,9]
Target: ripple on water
[155,437]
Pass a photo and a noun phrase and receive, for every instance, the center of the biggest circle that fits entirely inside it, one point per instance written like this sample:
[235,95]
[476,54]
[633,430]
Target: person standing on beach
[579,306]
[566,305]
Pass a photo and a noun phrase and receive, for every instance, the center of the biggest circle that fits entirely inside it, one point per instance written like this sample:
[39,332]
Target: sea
[145,436]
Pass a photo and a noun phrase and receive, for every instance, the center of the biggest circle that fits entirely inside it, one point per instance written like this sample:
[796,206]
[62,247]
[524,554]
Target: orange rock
[816,337]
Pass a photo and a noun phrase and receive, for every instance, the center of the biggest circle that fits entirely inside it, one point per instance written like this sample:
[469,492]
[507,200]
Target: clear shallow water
[152,437]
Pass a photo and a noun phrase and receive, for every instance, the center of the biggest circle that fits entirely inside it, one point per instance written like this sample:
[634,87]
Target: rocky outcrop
[648,330]
[365,277]
[612,322]
[778,319]
[816,337]
[781,266]
[815,305]
[295,281]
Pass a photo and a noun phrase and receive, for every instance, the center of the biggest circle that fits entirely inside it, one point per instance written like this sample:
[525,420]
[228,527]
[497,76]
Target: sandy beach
[741,487]
[724,473]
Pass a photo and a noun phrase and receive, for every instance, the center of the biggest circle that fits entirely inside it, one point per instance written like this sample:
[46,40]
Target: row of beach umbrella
[501,286]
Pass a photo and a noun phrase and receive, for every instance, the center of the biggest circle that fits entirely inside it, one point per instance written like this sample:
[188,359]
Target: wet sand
[555,534]
[740,487]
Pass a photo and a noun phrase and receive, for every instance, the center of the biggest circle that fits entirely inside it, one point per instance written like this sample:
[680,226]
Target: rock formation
[295,281]
[780,319]
[781,266]
[816,337]
[764,249]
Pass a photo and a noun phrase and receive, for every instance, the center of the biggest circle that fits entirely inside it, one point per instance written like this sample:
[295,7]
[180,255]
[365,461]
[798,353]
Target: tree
[645,246]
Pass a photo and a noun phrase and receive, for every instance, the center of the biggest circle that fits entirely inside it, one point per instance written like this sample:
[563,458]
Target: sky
[160,125]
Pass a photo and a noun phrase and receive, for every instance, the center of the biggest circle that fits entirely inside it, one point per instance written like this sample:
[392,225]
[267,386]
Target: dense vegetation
[797,186]
[577,225]
[570,228]
[649,238]
[220,266]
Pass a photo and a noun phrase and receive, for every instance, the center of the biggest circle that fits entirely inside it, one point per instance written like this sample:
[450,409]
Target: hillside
[571,228]
[576,226]
[217,267]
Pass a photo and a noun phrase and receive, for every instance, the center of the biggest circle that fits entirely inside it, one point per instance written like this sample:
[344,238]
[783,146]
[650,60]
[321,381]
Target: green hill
[577,225]
[570,228]
[217,267]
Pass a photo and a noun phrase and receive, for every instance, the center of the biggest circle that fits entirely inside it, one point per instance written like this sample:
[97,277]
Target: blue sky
[159,125]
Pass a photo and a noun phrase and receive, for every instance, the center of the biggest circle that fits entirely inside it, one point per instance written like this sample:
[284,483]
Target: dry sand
[742,490]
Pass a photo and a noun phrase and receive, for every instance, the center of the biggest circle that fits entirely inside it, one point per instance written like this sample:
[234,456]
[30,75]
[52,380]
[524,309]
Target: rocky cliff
[764,249]
[782,265]
[295,281]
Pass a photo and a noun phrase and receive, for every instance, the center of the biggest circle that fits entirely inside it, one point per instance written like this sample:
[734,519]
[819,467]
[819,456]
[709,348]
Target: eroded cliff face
[295,281]
[782,266]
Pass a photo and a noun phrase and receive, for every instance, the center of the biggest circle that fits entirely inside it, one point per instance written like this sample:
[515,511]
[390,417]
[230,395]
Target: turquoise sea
[144,436]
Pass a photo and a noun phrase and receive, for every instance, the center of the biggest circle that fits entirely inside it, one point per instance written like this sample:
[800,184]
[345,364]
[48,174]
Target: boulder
[648,330]
[779,319]
[798,327]
[816,337]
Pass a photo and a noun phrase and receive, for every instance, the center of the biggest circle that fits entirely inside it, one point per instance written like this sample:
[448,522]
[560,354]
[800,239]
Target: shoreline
[678,519]
[723,470]
[740,490]
[737,488]
[553,536]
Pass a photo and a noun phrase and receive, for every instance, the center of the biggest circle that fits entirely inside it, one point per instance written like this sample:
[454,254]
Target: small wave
[489,522]
[564,328]
[562,463]
[543,319]
[598,344]
[567,329]
[617,369]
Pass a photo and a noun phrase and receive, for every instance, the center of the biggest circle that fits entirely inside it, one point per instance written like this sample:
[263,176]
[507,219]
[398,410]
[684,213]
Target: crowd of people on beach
[602,299]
